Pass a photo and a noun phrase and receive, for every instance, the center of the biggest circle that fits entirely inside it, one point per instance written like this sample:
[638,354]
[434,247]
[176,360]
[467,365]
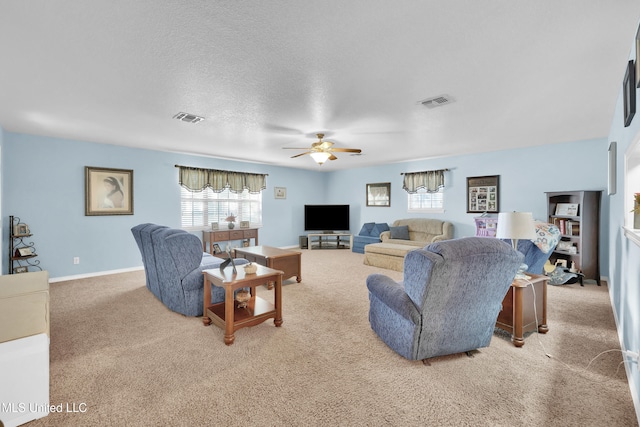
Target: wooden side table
[279,259]
[227,314]
[517,315]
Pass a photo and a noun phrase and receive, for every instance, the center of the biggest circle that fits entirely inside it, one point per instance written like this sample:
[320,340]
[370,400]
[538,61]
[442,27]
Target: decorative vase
[243,296]
[250,268]
[231,225]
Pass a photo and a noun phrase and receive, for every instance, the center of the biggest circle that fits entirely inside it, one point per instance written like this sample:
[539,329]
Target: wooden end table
[227,314]
[279,259]
[517,315]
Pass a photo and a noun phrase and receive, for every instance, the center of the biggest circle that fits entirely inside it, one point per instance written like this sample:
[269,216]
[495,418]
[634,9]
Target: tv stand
[330,240]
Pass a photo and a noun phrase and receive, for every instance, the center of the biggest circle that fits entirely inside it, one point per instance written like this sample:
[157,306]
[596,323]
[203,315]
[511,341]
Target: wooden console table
[517,315]
[213,236]
[227,314]
[331,240]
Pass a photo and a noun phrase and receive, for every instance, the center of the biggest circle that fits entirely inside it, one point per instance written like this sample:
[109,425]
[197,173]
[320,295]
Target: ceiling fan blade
[347,150]
[301,154]
[333,157]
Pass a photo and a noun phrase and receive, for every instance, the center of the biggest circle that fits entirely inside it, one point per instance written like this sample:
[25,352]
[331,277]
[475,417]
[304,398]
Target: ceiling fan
[321,151]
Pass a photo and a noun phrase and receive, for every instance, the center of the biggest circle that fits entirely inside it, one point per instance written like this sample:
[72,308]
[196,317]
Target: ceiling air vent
[437,101]
[189,118]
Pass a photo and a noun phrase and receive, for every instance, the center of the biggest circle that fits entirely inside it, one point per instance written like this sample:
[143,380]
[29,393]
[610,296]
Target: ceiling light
[320,156]
[189,118]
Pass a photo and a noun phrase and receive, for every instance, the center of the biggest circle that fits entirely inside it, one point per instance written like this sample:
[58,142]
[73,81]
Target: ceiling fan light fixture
[320,157]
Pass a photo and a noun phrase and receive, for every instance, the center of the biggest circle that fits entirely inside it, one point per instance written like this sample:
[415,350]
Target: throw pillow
[400,232]
[377,230]
[366,229]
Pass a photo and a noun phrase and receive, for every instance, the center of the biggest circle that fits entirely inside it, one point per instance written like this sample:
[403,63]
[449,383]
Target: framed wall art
[108,191]
[637,82]
[21,229]
[483,194]
[629,92]
[379,194]
[280,192]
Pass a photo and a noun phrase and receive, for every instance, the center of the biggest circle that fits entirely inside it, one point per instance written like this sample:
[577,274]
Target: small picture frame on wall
[21,269]
[108,191]
[379,194]
[629,92]
[483,194]
[280,192]
[637,82]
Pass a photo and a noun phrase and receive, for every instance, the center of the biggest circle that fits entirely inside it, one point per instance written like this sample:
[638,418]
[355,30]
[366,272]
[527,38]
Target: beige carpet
[131,361]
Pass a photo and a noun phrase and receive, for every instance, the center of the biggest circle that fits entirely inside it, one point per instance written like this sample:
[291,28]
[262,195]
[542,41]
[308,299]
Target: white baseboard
[96,274]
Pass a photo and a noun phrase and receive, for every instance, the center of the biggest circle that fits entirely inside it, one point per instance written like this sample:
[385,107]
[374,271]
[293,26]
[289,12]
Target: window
[421,201]
[201,208]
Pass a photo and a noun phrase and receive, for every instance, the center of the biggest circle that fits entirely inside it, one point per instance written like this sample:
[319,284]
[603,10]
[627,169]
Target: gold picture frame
[245,224]
[108,191]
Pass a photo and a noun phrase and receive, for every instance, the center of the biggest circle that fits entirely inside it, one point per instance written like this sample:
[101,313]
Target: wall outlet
[633,355]
[76,260]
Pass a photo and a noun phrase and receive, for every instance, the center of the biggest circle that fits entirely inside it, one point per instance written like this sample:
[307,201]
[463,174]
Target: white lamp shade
[515,225]
[320,157]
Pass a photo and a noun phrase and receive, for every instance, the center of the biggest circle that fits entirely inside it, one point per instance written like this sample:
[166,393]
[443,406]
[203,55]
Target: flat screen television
[326,217]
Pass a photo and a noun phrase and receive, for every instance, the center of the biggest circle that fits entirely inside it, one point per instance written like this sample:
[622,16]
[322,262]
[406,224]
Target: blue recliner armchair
[449,300]
[173,263]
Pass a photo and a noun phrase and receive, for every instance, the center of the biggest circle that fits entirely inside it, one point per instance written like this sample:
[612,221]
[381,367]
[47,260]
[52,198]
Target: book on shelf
[567,227]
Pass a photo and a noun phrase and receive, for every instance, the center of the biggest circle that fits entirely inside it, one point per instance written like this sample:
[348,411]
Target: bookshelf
[577,215]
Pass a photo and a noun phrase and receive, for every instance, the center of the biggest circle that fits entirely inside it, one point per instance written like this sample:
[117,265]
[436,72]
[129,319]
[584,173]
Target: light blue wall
[2,221]
[49,194]
[44,186]
[624,268]
[525,174]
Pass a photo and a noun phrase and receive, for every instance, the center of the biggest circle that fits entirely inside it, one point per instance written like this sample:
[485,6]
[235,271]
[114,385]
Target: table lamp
[515,226]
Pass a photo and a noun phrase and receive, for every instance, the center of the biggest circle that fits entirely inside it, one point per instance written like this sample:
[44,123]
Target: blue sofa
[449,300]
[369,233]
[173,263]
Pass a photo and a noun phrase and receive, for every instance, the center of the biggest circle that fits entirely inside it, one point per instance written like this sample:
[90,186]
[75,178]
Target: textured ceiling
[270,74]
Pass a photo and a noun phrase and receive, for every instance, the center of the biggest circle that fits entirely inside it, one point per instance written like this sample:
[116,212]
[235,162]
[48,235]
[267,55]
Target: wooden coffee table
[289,262]
[517,315]
[227,314]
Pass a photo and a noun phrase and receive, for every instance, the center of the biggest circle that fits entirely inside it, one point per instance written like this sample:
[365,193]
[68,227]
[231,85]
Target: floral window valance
[430,181]
[197,179]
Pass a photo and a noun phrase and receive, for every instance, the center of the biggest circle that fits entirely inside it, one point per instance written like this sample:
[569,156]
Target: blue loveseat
[370,233]
[173,263]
